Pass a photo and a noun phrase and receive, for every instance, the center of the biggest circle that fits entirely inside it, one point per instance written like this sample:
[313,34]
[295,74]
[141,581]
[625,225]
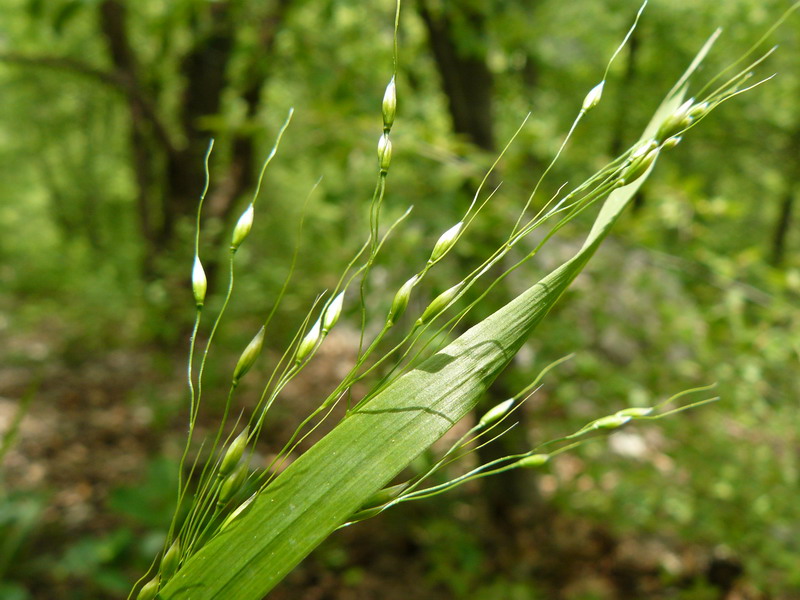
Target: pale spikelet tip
[635,412]
[239,510]
[243,227]
[199,282]
[309,342]
[389,105]
[446,241]
[495,414]
[332,313]
[593,97]
[611,422]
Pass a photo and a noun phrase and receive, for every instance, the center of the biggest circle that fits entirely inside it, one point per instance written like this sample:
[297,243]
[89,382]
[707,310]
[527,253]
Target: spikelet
[384,152]
[643,148]
[401,299]
[309,342]
[199,282]
[232,484]
[635,412]
[239,510]
[332,313]
[249,356]
[439,303]
[171,560]
[533,461]
[698,111]
[445,242]
[676,122]
[389,105]
[149,590]
[639,166]
[243,227]
[495,414]
[593,97]
[611,422]
[234,453]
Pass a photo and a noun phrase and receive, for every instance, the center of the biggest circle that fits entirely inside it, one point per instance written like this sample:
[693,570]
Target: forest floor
[94,428]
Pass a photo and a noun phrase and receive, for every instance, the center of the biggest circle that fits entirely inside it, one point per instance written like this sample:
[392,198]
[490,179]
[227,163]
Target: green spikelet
[243,227]
[593,97]
[234,453]
[401,298]
[232,484]
[495,414]
[635,412]
[439,303]
[533,461]
[384,152]
[199,282]
[309,342]
[171,560]
[249,356]
[149,590]
[445,242]
[611,422]
[389,106]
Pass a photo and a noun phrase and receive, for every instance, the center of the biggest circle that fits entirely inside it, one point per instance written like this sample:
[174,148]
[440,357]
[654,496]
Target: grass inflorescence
[227,481]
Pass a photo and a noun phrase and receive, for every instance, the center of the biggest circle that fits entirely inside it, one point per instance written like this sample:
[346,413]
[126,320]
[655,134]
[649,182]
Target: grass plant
[249,525]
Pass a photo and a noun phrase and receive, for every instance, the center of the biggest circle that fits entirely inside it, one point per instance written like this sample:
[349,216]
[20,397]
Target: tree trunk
[782,226]
[783,222]
[169,175]
[113,17]
[466,78]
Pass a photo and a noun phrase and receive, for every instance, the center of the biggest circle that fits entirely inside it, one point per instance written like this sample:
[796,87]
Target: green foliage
[148,502]
[691,293]
[20,514]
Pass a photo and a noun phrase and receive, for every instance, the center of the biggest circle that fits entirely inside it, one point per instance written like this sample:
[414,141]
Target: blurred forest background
[106,110]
